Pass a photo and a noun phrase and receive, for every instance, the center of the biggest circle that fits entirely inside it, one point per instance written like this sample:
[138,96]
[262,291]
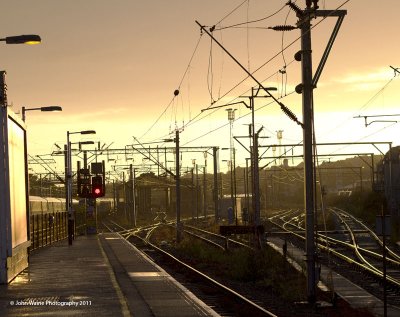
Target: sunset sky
[113,65]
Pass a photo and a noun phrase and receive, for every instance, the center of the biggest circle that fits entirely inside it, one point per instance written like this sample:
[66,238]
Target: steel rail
[367,268]
[214,282]
[238,243]
[371,232]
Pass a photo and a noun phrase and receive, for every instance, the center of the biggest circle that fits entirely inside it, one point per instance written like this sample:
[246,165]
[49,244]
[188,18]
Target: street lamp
[50,108]
[231,119]
[232,169]
[22,39]
[68,183]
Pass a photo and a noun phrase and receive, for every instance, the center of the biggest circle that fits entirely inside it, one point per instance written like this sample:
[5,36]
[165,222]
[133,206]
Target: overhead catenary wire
[224,125]
[285,48]
[284,71]
[289,113]
[248,37]
[180,83]
[365,105]
[197,118]
[279,53]
[210,74]
[366,136]
[231,12]
[286,110]
[186,70]
[249,22]
[377,93]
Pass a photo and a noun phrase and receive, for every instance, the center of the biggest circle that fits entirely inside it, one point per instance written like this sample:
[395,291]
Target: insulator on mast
[290,114]
[283,27]
[295,8]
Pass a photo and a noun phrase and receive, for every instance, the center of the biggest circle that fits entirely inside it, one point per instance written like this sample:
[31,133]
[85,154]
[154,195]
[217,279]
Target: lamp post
[254,152]
[50,108]
[22,39]
[231,119]
[232,167]
[10,263]
[192,174]
[68,183]
[133,178]
[205,207]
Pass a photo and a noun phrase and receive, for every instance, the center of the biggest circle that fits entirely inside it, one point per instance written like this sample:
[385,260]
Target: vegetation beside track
[264,274]
[265,269]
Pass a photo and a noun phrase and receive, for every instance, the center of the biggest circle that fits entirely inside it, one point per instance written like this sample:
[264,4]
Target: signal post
[91,185]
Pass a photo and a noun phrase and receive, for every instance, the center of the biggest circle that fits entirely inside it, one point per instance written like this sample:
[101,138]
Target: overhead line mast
[306,89]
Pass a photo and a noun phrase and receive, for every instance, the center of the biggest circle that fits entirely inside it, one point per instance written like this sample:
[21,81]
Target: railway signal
[91,183]
[97,187]
[83,182]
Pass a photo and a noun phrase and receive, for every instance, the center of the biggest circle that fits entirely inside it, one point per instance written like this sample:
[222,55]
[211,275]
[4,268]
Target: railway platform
[99,275]
[356,296]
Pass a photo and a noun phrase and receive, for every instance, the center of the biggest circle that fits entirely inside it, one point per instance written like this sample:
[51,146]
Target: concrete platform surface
[99,275]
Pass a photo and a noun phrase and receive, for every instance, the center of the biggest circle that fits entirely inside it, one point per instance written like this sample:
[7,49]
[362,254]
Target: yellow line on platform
[121,297]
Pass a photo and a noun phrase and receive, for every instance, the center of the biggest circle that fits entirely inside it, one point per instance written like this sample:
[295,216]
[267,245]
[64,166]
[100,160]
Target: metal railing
[47,228]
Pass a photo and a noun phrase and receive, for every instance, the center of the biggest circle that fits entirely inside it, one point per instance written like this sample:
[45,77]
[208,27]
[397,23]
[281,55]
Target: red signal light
[97,187]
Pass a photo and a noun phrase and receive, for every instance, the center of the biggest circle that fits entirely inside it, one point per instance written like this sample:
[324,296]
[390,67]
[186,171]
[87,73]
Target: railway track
[223,299]
[355,247]
[215,239]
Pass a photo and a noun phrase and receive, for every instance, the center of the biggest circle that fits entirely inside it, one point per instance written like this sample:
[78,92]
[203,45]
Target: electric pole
[309,82]
[178,188]
[308,114]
